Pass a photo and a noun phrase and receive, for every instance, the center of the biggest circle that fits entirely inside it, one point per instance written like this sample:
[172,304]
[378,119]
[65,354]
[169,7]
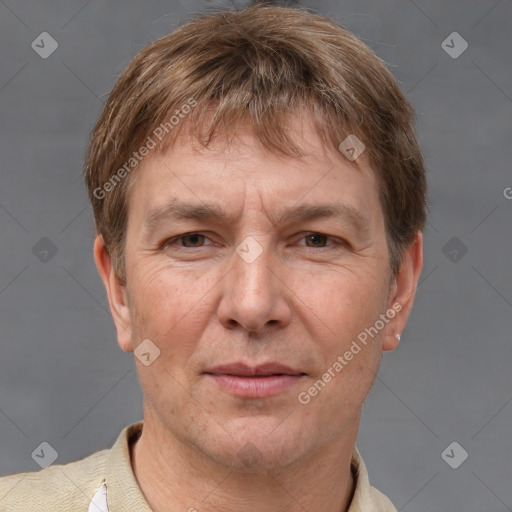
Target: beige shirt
[71,487]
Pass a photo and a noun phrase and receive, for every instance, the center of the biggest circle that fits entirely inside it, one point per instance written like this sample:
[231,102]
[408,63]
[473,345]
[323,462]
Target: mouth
[260,381]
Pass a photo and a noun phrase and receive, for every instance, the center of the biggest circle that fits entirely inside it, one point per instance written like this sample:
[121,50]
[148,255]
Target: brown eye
[195,239]
[316,239]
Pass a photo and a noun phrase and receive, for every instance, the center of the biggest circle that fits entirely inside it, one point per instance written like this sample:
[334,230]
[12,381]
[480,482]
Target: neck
[176,476]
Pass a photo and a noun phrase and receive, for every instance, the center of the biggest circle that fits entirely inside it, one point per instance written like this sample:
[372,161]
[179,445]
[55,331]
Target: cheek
[173,314]
[339,309]
[341,304]
[168,307]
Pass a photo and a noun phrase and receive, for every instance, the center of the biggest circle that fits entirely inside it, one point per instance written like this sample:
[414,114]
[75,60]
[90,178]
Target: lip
[260,381]
[240,369]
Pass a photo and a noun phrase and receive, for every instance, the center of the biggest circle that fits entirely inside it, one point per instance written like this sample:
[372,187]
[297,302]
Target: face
[236,256]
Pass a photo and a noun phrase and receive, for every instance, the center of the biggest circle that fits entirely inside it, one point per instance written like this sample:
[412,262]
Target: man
[259,199]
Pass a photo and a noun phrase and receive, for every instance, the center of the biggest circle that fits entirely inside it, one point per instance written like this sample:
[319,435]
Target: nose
[254,293]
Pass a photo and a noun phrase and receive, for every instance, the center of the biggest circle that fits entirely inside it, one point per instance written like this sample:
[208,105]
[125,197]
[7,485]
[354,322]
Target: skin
[301,302]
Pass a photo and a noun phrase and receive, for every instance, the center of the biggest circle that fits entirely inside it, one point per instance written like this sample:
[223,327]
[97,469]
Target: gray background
[63,378]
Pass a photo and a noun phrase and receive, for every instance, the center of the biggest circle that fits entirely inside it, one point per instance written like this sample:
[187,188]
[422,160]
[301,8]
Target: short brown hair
[261,63]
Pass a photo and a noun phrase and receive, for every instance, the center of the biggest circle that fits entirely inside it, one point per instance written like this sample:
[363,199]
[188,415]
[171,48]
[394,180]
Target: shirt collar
[123,491]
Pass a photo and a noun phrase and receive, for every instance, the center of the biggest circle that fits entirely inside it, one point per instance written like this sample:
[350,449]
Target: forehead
[228,177]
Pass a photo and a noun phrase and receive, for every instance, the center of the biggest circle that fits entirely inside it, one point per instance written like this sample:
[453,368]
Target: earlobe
[116,294]
[403,291]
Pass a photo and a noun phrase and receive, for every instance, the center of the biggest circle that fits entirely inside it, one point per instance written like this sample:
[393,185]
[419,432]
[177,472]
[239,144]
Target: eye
[188,240]
[320,241]
[316,240]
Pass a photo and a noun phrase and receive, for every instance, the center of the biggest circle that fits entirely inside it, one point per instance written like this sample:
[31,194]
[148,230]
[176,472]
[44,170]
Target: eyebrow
[304,212]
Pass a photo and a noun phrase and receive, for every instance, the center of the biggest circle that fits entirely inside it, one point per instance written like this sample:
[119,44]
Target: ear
[403,291]
[116,293]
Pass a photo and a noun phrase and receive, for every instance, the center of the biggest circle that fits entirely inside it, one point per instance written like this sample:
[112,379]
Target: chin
[258,446]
